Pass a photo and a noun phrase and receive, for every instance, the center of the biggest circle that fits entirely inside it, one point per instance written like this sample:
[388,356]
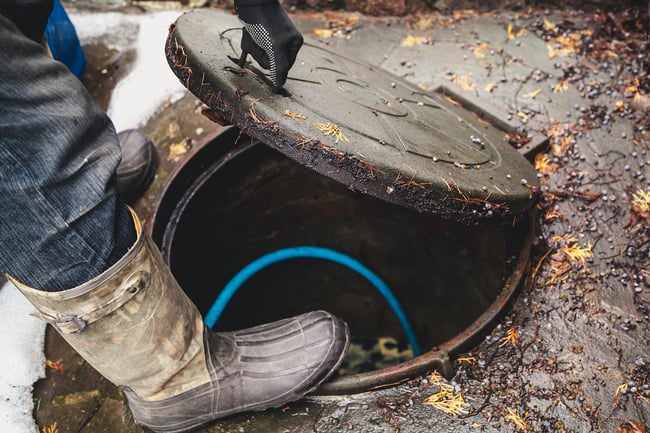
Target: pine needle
[516,419]
[52,428]
[331,129]
[512,336]
[446,399]
[294,116]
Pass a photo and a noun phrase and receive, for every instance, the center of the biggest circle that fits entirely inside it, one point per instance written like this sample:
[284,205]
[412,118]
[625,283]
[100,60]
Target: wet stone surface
[572,353]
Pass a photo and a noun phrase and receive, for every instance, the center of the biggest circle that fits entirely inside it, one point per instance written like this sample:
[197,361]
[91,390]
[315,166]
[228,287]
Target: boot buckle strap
[72,324]
[69,324]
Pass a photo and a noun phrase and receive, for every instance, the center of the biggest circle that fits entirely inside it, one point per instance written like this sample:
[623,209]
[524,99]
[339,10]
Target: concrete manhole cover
[358,124]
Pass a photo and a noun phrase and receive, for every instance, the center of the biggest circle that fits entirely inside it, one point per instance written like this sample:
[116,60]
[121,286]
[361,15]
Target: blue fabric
[62,221]
[62,40]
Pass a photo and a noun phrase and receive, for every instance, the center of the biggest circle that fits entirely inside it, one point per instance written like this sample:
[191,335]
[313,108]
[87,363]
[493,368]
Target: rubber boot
[135,325]
[138,166]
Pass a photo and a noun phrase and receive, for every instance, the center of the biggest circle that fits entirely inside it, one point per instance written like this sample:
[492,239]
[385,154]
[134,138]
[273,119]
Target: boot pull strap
[68,324]
[72,324]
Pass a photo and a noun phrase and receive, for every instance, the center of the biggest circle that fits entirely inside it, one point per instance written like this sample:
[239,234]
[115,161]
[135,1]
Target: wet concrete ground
[572,352]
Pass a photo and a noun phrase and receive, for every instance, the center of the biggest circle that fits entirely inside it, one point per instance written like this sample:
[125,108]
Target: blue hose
[310,252]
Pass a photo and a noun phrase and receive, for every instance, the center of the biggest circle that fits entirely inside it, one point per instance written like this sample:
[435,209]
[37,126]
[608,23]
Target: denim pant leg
[62,221]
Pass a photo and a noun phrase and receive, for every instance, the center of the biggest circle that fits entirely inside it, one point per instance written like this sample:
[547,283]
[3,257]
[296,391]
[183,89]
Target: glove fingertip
[281,73]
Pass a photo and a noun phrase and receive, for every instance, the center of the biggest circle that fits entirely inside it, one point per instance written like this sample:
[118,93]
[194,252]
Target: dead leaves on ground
[447,399]
[632,427]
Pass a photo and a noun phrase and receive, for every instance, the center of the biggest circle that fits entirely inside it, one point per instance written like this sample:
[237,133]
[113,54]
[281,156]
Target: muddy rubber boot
[135,325]
[138,166]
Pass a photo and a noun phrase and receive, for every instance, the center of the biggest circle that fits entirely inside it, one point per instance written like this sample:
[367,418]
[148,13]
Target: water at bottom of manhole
[442,275]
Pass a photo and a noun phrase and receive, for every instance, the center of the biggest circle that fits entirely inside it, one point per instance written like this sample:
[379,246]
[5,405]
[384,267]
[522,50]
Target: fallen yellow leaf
[533,94]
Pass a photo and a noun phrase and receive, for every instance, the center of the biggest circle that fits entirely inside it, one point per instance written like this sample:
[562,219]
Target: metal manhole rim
[437,358]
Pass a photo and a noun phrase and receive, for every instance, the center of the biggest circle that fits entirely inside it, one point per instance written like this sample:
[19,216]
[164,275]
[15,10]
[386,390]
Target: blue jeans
[62,221]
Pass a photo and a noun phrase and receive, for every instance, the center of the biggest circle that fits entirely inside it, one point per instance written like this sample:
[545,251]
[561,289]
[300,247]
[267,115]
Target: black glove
[269,36]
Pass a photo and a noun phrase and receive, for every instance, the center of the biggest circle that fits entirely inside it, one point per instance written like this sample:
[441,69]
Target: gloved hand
[269,36]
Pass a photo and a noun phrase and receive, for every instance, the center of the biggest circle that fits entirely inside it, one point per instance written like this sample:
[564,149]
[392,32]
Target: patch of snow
[22,362]
[150,83]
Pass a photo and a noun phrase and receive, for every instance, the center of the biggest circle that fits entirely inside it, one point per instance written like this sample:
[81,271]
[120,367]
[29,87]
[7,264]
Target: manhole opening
[248,201]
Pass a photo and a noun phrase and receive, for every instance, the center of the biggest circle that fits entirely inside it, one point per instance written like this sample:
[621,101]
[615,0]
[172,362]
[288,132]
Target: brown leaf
[631,427]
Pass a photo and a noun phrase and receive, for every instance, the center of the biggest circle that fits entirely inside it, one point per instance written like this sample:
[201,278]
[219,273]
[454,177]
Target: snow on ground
[136,98]
[151,82]
[22,362]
